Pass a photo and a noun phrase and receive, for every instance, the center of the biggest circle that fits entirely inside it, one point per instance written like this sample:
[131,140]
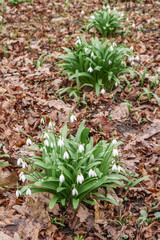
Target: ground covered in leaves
[28,92]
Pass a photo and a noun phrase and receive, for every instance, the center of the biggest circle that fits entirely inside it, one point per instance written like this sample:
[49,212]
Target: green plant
[41,60]
[144,218]
[106,21]
[121,220]
[97,64]
[78,237]
[149,95]
[72,169]
[15,2]
[4,155]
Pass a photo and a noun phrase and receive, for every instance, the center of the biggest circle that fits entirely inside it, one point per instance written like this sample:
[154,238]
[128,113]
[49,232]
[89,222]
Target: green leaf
[138,181]
[64,131]
[75,203]
[84,135]
[157,215]
[52,202]
[4,163]
[80,129]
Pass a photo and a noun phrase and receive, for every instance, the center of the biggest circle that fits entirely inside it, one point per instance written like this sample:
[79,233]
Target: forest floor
[28,92]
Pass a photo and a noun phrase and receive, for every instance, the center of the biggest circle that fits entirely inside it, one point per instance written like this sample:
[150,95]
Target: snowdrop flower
[74,192]
[124,29]
[115,152]
[61,178]
[119,168]
[114,141]
[19,161]
[80,178]
[82,12]
[107,25]
[114,44]
[65,155]
[22,177]
[92,54]
[51,144]
[45,149]
[137,58]
[122,14]
[24,165]
[114,167]
[28,192]
[81,148]
[133,25]
[132,63]
[50,125]
[90,69]
[29,142]
[46,135]
[109,62]
[109,10]
[73,118]
[111,48]
[130,59]
[60,142]
[46,143]
[114,9]
[127,19]
[132,48]
[1,18]
[116,84]
[78,41]
[86,50]
[103,91]
[18,193]
[92,173]
[108,6]
[42,121]
[92,17]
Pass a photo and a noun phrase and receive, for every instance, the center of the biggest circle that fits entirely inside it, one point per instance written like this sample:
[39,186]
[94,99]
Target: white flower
[92,54]
[116,84]
[107,25]
[92,17]
[74,192]
[119,168]
[61,178]
[132,48]
[1,18]
[90,69]
[108,7]
[103,91]
[81,148]
[28,192]
[124,29]
[92,173]
[29,142]
[51,144]
[109,62]
[42,121]
[132,63]
[115,152]
[114,167]
[50,125]
[60,142]
[18,193]
[46,143]
[114,44]
[24,165]
[78,41]
[122,14]
[111,48]
[82,12]
[73,118]
[22,177]
[109,10]
[46,135]
[114,141]
[65,155]
[114,9]
[45,149]
[86,50]
[19,161]
[127,19]
[133,25]
[130,59]
[137,58]
[80,178]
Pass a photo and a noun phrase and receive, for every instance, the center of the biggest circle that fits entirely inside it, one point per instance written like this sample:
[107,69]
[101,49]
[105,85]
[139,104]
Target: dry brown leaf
[82,213]
[119,112]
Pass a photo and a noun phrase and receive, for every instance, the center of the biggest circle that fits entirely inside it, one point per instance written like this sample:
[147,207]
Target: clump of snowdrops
[98,64]
[71,168]
[106,21]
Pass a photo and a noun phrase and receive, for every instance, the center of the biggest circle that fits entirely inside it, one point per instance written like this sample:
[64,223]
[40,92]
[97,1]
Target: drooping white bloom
[1,18]
[44,148]
[51,144]
[133,25]
[73,118]
[29,142]
[124,29]
[61,178]
[24,165]
[116,84]
[66,155]
[122,14]
[60,142]
[127,19]
[74,192]
[109,10]
[90,69]
[46,143]
[86,50]
[22,177]
[82,12]
[109,62]
[46,135]
[137,58]
[28,192]
[132,48]
[131,58]
[92,17]
[114,9]
[114,167]
[107,25]
[114,44]
[50,125]
[119,168]
[108,6]
[92,173]
[18,193]
[115,152]
[114,141]
[78,41]
[92,54]
[111,48]
[42,121]
[81,148]
[132,63]
[80,178]
[103,91]
[19,161]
